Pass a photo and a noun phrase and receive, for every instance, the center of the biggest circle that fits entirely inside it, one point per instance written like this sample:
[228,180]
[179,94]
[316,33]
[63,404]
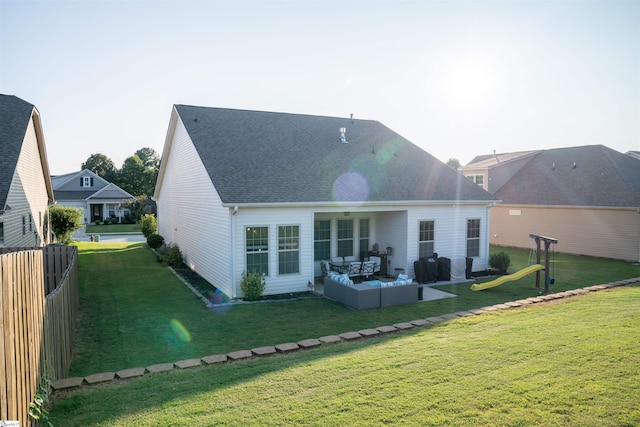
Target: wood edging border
[285,348]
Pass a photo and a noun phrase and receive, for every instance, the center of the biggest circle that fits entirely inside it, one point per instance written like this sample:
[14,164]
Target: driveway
[82,236]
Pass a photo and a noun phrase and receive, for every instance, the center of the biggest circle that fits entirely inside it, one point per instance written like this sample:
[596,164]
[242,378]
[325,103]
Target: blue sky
[456,78]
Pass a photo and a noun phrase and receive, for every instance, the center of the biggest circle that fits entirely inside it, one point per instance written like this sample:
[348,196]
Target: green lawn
[570,363]
[135,313]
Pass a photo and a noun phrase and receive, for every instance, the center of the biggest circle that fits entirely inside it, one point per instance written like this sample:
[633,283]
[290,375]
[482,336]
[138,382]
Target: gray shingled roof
[601,177]
[263,157]
[14,119]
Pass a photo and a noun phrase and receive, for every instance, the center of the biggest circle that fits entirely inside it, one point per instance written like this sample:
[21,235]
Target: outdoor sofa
[371,294]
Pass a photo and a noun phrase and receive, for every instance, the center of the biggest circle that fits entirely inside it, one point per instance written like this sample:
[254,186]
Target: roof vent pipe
[343,135]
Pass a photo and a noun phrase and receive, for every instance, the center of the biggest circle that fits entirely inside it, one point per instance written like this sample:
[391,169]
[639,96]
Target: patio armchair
[368,269]
[337,264]
[377,261]
[355,269]
[324,266]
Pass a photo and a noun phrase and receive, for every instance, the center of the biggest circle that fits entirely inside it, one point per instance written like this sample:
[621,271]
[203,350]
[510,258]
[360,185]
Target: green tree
[102,166]
[453,164]
[140,206]
[133,176]
[64,221]
[149,157]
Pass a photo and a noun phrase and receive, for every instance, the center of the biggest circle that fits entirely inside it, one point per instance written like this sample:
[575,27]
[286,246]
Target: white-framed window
[257,250]
[477,179]
[473,238]
[288,249]
[321,239]
[364,236]
[426,239]
[345,237]
[86,181]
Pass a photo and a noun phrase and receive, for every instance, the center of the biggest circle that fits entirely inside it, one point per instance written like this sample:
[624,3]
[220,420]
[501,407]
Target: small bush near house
[155,241]
[172,256]
[500,261]
[148,224]
[64,221]
[252,285]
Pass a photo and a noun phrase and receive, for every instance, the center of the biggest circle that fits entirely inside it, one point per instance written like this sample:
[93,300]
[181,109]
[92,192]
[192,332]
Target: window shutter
[91,181]
[81,182]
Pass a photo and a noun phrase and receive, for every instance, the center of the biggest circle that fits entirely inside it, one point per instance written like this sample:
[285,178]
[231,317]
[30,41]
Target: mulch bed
[206,288]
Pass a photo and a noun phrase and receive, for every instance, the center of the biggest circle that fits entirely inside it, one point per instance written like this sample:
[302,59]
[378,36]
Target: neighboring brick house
[586,197]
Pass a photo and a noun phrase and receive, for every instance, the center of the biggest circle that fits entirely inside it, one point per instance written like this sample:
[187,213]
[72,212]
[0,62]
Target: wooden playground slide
[507,278]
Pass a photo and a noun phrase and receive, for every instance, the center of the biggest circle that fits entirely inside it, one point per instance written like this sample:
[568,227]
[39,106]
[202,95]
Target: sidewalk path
[82,236]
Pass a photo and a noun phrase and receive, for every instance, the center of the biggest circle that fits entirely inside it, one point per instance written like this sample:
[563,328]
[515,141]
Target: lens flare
[351,188]
[181,332]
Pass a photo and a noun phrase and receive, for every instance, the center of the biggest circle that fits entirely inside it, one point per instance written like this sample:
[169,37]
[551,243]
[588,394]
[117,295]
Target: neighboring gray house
[25,187]
[274,192]
[98,198]
[586,197]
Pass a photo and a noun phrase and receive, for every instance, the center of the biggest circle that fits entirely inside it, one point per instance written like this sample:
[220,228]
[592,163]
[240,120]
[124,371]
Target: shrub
[173,257]
[500,262]
[64,221]
[155,241]
[148,224]
[252,285]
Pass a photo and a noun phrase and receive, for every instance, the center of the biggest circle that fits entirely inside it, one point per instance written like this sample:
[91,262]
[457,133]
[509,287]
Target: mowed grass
[134,312]
[574,362]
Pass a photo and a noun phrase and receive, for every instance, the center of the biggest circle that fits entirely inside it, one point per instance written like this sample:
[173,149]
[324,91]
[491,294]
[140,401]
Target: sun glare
[468,83]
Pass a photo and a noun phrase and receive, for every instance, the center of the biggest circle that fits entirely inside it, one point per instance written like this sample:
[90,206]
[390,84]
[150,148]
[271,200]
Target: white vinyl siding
[451,231]
[191,215]
[274,218]
[27,195]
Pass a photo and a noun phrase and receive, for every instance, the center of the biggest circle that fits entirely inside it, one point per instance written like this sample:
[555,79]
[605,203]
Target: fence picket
[39,303]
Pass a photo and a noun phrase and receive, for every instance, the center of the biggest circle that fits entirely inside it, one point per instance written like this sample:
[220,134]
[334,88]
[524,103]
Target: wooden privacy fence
[36,323]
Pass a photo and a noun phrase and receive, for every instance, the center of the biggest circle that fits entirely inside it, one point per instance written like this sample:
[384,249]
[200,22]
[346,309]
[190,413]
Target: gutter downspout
[488,233]
[232,263]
